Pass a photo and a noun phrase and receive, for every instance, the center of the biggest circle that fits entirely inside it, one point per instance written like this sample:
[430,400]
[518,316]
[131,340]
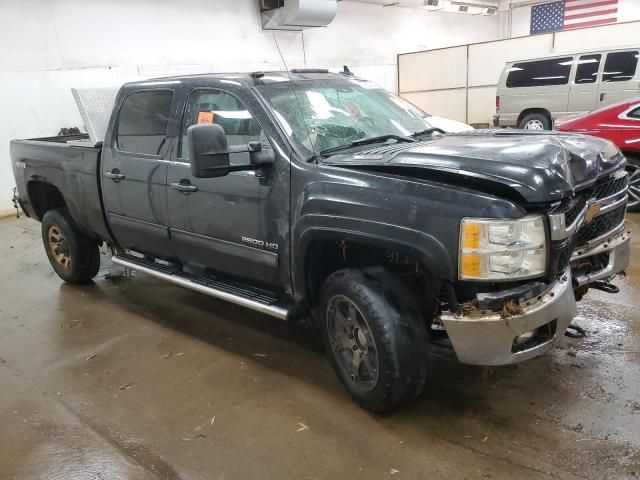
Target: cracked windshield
[323,117]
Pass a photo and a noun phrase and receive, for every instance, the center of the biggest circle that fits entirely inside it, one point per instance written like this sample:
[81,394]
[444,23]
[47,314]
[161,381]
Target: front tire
[375,337]
[73,256]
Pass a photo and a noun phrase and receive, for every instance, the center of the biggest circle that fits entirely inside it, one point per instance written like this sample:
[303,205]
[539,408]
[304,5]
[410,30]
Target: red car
[619,123]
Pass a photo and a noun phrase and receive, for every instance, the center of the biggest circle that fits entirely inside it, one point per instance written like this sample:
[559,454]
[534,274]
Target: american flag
[568,14]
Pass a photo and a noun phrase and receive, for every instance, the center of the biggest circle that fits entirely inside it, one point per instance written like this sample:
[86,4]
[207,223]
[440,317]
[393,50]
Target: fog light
[525,337]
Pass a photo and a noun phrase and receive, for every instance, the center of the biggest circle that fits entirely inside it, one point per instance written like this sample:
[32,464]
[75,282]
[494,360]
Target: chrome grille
[600,225]
[610,187]
[575,208]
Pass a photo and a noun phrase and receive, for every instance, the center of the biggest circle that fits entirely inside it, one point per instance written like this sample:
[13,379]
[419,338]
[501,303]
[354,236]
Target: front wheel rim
[634,186]
[534,125]
[59,247]
[352,342]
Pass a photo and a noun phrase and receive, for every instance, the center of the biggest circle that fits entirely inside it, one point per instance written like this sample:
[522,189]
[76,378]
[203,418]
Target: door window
[587,71]
[540,73]
[620,66]
[142,122]
[224,109]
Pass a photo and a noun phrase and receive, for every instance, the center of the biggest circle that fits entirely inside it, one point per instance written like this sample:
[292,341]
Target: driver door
[234,224]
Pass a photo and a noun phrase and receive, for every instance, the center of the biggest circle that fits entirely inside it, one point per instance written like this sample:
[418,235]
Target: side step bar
[254,300]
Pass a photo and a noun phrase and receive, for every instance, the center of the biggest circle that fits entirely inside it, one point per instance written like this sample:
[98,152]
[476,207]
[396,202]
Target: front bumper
[617,247]
[489,338]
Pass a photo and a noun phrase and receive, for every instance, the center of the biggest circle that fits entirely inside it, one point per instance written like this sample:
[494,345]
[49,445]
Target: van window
[142,122]
[620,66]
[224,109]
[540,73]
[587,71]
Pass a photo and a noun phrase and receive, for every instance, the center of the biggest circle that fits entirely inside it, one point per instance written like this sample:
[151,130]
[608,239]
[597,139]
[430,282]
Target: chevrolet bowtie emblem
[592,211]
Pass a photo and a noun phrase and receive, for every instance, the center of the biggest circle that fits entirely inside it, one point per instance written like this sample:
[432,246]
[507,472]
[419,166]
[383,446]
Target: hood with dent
[539,166]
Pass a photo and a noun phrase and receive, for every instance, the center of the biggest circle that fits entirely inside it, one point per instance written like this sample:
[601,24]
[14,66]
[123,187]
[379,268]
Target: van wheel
[535,121]
[375,337]
[73,256]
[633,169]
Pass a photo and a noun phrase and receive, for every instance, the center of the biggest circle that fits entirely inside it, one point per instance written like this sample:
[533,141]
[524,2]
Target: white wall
[50,46]
[628,11]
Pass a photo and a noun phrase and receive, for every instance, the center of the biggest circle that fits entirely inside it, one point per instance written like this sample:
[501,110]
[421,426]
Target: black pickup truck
[309,194]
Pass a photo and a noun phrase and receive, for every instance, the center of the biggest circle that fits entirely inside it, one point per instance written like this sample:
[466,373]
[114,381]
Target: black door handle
[184,187]
[602,97]
[115,175]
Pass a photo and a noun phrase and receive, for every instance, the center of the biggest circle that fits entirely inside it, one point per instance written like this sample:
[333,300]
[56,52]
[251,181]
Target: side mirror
[208,150]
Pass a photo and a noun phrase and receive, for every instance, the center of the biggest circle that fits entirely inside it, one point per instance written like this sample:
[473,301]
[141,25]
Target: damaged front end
[512,325]
[590,245]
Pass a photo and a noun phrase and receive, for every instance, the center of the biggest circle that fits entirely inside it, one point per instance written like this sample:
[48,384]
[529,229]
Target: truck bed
[69,164]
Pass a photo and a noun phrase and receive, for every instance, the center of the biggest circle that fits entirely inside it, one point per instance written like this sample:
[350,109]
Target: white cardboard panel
[486,60]
[444,103]
[432,70]
[598,37]
[482,104]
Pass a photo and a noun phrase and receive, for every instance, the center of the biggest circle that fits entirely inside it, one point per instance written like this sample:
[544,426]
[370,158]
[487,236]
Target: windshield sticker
[354,109]
[205,117]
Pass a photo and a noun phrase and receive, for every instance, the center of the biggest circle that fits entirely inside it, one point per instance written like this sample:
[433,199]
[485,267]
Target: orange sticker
[205,117]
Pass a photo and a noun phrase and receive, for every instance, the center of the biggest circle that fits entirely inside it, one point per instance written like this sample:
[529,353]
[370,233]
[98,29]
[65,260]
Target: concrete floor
[131,378]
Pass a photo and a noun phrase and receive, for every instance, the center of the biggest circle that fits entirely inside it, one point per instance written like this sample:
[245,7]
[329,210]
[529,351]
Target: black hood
[539,166]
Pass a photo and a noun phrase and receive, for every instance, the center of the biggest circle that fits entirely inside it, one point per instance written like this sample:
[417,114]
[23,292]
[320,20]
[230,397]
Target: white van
[533,93]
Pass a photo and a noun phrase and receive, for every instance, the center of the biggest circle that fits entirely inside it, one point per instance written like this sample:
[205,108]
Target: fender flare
[431,252]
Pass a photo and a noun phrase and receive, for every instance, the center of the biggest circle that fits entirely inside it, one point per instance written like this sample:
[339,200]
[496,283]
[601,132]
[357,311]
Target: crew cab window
[142,122]
[587,71]
[540,73]
[224,109]
[620,67]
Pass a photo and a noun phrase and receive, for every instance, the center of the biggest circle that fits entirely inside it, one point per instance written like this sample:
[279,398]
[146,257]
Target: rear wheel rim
[352,342]
[59,247]
[634,186]
[534,125]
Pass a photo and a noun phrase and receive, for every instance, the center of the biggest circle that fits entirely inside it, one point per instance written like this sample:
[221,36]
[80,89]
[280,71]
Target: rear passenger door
[583,96]
[134,172]
[620,77]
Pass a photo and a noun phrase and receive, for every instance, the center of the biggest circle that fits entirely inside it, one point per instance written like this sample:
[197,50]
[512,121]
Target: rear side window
[634,113]
[587,71]
[620,66]
[142,123]
[540,73]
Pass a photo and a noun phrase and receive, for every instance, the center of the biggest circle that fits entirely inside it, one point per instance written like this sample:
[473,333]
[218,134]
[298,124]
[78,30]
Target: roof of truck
[250,79]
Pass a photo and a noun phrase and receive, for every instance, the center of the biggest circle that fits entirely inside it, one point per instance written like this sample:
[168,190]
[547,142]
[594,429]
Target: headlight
[610,151]
[502,249]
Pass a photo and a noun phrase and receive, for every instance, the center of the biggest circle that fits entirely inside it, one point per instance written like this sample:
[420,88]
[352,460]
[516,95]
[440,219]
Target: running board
[257,300]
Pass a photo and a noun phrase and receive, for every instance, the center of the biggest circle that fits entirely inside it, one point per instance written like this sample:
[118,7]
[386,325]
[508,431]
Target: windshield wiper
[428,131]
[368,141]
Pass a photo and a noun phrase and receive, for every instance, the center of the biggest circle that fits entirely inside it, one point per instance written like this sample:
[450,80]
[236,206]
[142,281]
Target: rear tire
[73,256]
[375,337]
[535,121]
[633,169]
